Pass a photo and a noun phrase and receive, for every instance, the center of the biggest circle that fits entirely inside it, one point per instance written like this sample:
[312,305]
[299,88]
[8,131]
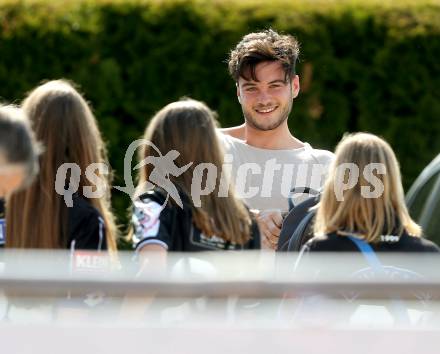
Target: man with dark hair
[268,161]
[18,156]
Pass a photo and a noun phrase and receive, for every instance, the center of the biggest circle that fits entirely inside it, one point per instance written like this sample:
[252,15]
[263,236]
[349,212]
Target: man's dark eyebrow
[248,84]
[251,84]
[278,81]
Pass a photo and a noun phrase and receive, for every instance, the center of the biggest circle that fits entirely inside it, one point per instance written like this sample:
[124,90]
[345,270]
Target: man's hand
[269,223]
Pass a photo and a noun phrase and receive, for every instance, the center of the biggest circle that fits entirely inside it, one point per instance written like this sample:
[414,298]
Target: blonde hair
[64,123]
[354,213]
[189,127]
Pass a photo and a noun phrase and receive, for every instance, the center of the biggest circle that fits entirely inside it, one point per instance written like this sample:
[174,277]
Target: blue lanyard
[368,253]
[398,307]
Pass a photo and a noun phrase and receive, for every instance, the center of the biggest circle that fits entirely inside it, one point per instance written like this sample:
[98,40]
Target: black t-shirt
[388,246]
[334,242]
[389,250]
[173,228]
[86,227]
[396,258]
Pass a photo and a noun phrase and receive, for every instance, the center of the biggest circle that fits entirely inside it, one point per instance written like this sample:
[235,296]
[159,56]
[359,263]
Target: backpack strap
[296,240]
[300,190]
[293,220]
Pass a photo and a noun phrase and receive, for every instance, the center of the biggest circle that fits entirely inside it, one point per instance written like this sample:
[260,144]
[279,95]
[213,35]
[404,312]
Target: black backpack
[297,226]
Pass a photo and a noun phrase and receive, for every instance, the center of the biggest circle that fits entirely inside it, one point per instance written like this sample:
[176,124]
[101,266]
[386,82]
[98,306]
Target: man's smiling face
[267,103]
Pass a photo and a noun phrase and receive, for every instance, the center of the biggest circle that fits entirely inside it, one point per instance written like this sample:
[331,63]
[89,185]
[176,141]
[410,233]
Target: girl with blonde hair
[363,198]
[38,217]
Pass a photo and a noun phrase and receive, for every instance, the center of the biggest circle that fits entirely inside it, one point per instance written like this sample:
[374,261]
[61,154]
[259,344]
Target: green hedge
[369,67]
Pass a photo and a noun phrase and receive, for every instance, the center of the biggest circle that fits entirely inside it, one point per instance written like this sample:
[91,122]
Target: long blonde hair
[189,127]
[368,216]
[64,123]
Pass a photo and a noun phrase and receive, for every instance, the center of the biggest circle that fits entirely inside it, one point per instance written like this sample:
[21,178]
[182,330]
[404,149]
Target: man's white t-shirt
[264,178]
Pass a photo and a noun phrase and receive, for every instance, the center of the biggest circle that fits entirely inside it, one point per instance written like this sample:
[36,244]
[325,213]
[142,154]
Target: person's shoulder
[237,132]
[231,137]
[420,244]
[83,215]
[149,209]
[83,208]
[86,225]
[323,238]
[323,156]
[330,242]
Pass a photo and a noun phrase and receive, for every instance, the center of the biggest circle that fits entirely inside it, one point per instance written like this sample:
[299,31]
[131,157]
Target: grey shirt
[264,178]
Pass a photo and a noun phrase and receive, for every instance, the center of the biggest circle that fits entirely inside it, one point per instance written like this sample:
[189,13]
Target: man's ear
[238,92]
[295,86]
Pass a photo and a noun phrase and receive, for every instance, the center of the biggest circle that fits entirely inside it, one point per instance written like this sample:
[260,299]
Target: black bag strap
[300,236]
[300,190]
[293,220]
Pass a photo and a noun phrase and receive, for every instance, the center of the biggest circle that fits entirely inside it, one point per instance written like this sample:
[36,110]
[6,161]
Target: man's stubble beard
[258,126]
